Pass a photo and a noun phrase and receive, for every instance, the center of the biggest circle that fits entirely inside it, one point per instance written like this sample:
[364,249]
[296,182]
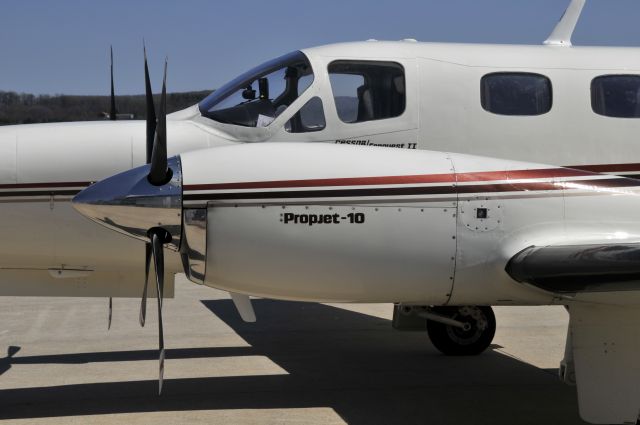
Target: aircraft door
[373,102]
[25,211]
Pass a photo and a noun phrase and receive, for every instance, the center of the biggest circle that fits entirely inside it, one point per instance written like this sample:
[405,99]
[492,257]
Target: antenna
[561,34]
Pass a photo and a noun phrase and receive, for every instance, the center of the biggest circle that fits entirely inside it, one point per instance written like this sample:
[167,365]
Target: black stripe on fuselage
[408,191]
[36,193]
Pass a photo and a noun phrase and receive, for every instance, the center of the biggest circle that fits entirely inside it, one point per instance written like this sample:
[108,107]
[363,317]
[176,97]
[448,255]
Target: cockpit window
[257,97]
[367,90]
[309,118]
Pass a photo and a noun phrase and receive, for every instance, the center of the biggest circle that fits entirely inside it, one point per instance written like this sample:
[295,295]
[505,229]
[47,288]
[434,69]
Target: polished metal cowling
[129,204]
[194,244]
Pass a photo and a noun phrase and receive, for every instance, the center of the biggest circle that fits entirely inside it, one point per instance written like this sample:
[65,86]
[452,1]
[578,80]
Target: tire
[453,341]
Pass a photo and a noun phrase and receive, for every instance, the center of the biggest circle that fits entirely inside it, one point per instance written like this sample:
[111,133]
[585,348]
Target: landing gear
[455,331]
[471,335]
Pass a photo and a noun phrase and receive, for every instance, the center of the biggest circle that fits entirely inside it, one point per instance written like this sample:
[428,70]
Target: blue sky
[62,46]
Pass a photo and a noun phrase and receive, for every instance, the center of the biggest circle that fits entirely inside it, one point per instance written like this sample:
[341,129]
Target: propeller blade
[158,262]
[151,109]
[5,363]
[110,312]
[158,173]
[143,303]
[112,111]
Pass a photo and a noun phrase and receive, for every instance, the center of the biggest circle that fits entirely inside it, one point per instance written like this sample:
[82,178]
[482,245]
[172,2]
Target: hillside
[25,108]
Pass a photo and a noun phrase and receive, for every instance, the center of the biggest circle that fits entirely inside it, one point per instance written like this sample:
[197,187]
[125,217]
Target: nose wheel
[475,336]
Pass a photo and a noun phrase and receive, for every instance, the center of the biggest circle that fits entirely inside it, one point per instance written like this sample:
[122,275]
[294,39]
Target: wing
[578,268]
[604,335]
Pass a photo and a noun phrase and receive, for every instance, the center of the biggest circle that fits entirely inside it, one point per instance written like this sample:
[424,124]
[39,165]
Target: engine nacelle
[344,234]
[334,223]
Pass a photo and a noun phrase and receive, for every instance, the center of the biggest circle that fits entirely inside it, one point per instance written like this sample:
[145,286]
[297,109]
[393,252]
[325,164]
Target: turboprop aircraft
[553,104]
[332,223]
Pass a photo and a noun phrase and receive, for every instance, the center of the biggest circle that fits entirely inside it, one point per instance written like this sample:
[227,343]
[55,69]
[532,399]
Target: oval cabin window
[515,93]
[616,96]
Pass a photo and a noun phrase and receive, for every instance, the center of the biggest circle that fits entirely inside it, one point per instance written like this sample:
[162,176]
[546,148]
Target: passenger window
[616,96]
[309,118]
[367,90]
[515,93]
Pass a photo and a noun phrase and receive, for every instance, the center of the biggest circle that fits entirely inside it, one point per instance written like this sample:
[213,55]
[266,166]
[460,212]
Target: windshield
[257,97]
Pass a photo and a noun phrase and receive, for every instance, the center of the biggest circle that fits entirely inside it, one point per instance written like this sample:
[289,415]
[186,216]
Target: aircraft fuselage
[440,107]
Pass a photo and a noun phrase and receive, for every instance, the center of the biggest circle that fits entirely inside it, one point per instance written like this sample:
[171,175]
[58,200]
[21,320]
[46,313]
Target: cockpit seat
[365,103]
[280,109]
[397,96]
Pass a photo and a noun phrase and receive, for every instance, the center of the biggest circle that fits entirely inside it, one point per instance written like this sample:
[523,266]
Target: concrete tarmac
[301,363]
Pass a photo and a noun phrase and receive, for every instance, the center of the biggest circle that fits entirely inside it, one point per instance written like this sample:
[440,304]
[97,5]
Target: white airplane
[553,104]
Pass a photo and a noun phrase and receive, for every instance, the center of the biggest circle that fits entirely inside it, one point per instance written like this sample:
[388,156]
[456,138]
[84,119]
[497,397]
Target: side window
[367,90]
[516,93]
[309,118]
[616,96]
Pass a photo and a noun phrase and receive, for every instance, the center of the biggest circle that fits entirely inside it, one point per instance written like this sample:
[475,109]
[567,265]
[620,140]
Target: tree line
[26,108]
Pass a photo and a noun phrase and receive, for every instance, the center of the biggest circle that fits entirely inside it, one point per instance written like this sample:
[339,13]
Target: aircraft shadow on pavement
[350,362]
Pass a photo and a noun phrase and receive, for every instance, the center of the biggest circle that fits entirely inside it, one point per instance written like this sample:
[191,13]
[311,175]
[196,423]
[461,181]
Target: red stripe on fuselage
[481,176]
[346,181]
[608,168]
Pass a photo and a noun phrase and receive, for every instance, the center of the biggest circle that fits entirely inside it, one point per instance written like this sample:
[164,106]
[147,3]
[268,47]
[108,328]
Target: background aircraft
[547,103]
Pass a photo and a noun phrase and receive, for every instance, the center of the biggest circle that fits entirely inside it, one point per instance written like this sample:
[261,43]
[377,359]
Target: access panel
[345,253]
